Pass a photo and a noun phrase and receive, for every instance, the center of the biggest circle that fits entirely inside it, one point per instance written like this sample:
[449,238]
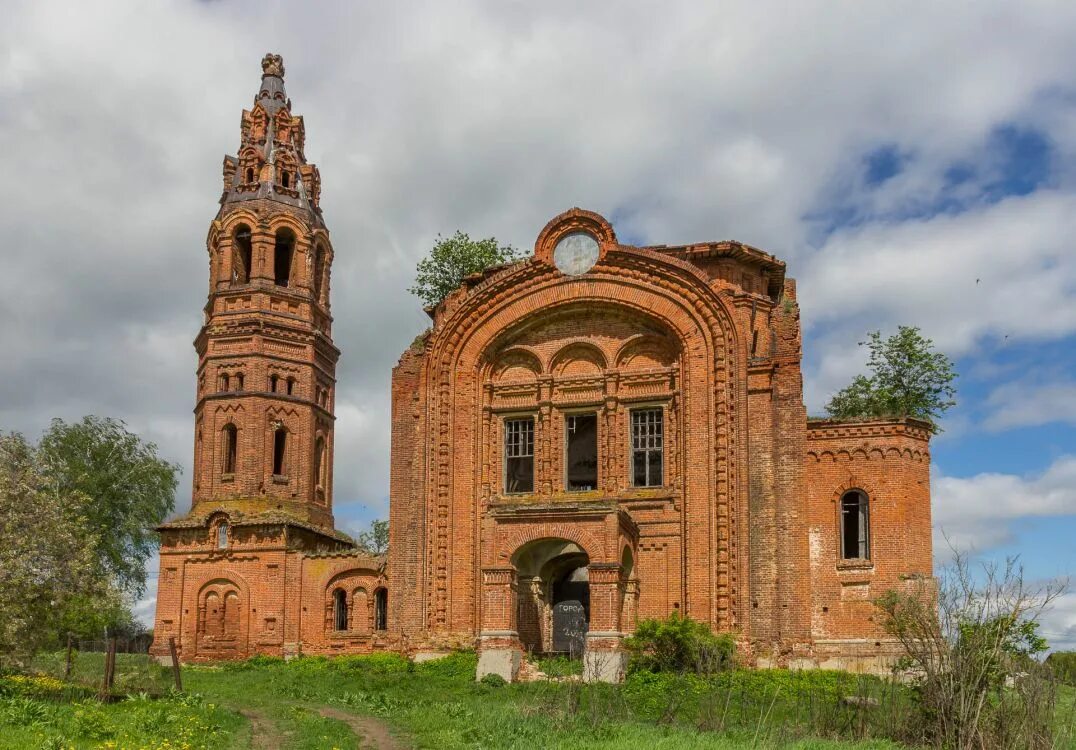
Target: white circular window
[576,253]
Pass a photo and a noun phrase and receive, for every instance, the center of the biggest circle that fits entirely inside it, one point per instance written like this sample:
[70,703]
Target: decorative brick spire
[271,164]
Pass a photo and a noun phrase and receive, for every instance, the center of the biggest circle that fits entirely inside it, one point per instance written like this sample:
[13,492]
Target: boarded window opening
[647,447]
[241,259]
[285,248]
[230,437]
[280,443]
[855,526]
[582,451]
[519,455]
[339,610]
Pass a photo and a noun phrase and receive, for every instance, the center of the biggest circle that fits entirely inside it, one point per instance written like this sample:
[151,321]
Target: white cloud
[976,513]
[1028,404]
[1002,270]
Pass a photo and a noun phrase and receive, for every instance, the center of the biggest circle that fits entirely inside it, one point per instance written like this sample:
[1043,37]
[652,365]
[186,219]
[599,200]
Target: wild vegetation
[908,379]
[323,703]
[452,260]
[77,512]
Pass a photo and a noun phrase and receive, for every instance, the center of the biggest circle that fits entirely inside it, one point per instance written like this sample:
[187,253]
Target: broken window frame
[570,426]
[519,433]
[855,507]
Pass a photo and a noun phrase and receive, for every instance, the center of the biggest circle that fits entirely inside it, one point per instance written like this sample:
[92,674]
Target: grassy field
[384,701]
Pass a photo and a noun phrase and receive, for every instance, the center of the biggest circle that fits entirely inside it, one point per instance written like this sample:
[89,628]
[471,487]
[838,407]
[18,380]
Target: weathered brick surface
[740,535]
[743,532]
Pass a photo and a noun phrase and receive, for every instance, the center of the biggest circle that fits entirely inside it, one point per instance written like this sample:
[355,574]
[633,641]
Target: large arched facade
[644,357]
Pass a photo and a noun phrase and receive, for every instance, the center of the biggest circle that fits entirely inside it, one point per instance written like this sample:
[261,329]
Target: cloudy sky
[912,162]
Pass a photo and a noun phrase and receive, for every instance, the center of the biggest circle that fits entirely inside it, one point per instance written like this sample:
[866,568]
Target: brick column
[604,660]
[499,649]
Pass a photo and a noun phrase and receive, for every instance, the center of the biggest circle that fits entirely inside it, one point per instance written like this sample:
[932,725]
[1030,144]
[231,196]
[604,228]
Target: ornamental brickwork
[596,434]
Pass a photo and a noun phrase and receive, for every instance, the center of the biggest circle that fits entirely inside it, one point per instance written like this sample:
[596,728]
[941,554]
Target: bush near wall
[679,644]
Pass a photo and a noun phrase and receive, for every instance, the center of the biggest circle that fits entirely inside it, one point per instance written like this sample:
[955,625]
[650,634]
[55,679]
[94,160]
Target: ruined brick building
[593,435]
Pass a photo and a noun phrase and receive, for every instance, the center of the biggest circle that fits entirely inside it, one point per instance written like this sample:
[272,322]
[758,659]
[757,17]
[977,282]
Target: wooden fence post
[175,663]
[67,664]
[110,670]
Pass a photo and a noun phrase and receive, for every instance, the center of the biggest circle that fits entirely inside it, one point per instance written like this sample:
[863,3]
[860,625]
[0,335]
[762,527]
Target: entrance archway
[553,596]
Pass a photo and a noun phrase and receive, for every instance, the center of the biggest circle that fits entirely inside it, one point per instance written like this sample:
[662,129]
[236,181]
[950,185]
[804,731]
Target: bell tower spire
[266,360]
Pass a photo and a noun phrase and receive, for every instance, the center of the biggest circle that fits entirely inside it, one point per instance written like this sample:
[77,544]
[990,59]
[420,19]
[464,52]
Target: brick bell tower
[266,360]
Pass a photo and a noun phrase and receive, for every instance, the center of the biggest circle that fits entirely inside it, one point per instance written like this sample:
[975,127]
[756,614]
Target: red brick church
[593,435]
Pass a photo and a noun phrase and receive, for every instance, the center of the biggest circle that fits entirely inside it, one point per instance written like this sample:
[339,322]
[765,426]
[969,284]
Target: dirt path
[374,733]
[263,733]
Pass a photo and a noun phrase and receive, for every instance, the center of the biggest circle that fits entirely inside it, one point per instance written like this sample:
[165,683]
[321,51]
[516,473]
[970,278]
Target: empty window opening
[582,451]
[250,175]
[230,439]
[291,386]
[285,178]
[339,610]
[647,446]
[241,258]
[855,526]
[239,381]
[381,609]
[285,247]
[224,383]
[222,535]
[280,443]
[519,455]
[273,380]
[319,463]
[319,270]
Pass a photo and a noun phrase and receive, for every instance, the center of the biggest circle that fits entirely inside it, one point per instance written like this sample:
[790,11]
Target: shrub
[493,680]
[456,664]
[679,644]
[1063,664]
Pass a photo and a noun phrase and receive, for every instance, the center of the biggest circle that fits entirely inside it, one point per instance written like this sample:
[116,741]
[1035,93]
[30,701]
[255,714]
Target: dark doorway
[571,611]
[582,439]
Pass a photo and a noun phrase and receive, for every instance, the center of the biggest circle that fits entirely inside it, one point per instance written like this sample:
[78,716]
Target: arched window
[285,248]
[222,535]
[223,381]
[280,444]
[239,381]
[273,379]
[291,386]
[339,610]
[229,441]
[241,257]
[381,609]
[285,178]
[855,526]
[250,175]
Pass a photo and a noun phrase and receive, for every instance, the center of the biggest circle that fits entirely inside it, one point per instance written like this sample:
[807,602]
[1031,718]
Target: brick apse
[595,434]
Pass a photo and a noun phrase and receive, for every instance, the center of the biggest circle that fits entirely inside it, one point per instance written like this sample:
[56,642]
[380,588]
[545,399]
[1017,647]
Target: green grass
[438,705]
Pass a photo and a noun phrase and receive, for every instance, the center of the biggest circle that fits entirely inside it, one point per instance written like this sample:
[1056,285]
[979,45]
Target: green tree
[48,565]
[452,260]
[375,540]
[124,487]
[908,379]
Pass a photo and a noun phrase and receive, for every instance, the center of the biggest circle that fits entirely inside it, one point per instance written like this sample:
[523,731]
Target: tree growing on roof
[452,260]
[908,379]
